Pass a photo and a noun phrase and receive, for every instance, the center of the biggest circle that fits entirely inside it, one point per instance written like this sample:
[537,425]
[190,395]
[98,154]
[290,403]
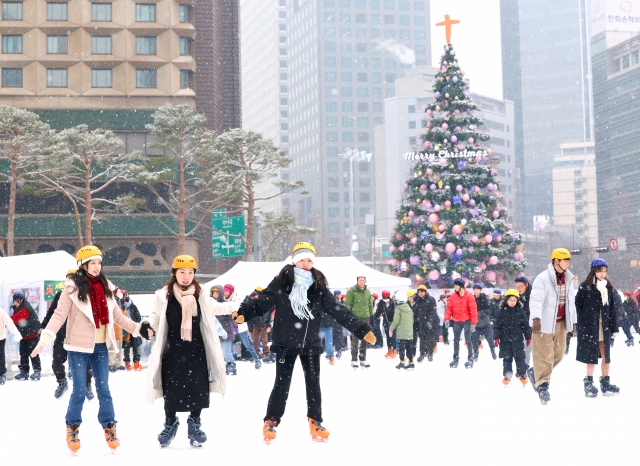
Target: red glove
[496,342]
[528,342]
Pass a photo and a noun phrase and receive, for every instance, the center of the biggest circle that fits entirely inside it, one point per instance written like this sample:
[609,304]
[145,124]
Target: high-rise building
[111,65]
[343,59]
[545,72]
[615,46]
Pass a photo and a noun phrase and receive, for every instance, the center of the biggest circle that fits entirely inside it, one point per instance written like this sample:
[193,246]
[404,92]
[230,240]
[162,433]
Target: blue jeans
[227,351]
[327,334]
[244,337]
[100,365]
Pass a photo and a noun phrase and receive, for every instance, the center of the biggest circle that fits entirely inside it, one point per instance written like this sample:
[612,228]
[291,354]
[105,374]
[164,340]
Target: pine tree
[452,221]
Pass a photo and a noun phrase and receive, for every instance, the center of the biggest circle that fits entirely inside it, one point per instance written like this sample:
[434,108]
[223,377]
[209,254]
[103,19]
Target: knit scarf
[98,301]
[187,300]
[602,288]
[298,296]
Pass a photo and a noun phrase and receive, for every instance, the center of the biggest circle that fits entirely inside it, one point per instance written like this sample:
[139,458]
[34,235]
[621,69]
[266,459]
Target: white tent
[341,272]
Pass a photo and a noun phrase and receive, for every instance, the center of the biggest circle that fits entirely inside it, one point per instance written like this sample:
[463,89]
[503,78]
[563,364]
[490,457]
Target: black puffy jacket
[424,311]
[385,311]
[631,310]
[291,335]
[484,310]
[511,327]
[61,335]
[525,300]
[26,319]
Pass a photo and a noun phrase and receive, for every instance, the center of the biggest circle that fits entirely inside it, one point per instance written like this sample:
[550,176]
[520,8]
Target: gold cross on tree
[447,23]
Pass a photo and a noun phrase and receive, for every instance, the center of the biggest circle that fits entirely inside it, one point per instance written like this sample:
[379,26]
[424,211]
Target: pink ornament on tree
[488,238]
[470,140]
[433,219]
[429,171]
[493,260]
[414,240]
[428,247]
[474,239]
[456,230]
[401,248]
[423,187]
[495,214]
[429,112]
[465,197]
[424,204]
[445,126]
[441,228]
[447,203]
[398,236]
[393,262]
[498,239]
[491,276]
[483,266]
[434,275]
[437,208]
[450,248]
[392,248]
[411,213]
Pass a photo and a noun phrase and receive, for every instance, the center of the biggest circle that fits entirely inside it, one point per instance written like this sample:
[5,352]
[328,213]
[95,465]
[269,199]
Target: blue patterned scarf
[298,295]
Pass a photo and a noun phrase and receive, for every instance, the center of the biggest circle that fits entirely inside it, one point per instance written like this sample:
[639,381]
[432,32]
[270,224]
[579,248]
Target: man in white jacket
[553,312]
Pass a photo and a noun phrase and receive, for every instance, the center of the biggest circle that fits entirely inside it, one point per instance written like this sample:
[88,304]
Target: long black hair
[590,282]
[173,280]
[81,280]
[286,278]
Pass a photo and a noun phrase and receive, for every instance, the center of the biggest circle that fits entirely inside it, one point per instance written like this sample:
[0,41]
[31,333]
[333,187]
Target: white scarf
[298,296]
[602,288]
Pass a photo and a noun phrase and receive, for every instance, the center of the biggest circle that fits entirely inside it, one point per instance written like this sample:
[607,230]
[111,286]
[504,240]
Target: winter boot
[196,436]
[631,342]
[354,365]
[168,433]
[411,366]
[269,430]
[607,388]
[453,364]
[3,379]
[522,380]
[332,360]
[35,376]
[401,365]
[475,356]
[338,354]
[63,386]
[543,393]
[89,393]
[365,365]
[590,391]
[137,366]
[258,363]
[430,357]
[113,368]
[317,431]
[127,365]
[493,354]
[421,357]
[389,354]
[22,376]
[469,364]
[73,442]
[231,368]
[110,436]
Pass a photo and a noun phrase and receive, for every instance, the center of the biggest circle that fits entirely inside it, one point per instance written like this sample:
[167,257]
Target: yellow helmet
[303,245]
[259,289]
[184,261]
[302,250]
[512,292]
[71,272]
[410,293]
[560,253]
[422,287]
[87,254]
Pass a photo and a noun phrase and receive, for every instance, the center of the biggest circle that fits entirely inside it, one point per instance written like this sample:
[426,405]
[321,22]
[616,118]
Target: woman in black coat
[300,296]
[596,324]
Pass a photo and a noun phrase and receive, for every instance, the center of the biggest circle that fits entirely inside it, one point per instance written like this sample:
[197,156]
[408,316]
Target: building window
[283,76]
[334,197]
[419,20]
[363,107]
[283,101]
[346,77]
[346,212]
[375,19]
[330,61]
[345,47]
[332,136]
[185,13]
[388,34]
[347,122]
[405,34]
[11,44]
[389,63]
[347,92]
[363,137]
[361,4]
[329,3]
[404,19]
[186,79]
[389,19]
[284,114]
[283,52]
[332,106]
[418,6]
[12,11]
[146,78]
[332,181]
[282,27]
[421,49]
[101,45]
[57,44]
[334,228]
[420,35]
[389,5]
[365,197]
[186,46]
[361,62]
[376,92]
[101,78]
[329,46]
[284,126]
[377,106]
[56,77]
[412,125]
[146,45]
[330,76]
[377,121]
[331,91]
[361,19]
[345,32]
[363,92]
[283,63]
[329,17]
[389,92]
[363,122]
[145,13]
[347,136]
[376,77]
[345,18]
[332,166]
[332,151]
[412,140]
[365,181]
[361,48]
[347,107]
[334,212]
[283,39]
[11,77]
[345,3]
[101,12]
[56,11]
[345,62]
[329,32]
[389,79]
[283,89]
[375,33]
[332,121]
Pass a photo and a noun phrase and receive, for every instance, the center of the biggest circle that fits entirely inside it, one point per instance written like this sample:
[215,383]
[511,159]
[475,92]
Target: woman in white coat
[6,323]
[186,362]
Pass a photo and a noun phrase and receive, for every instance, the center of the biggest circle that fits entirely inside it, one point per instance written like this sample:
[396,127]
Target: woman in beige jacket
[186,362]
[88,305]
[6,323]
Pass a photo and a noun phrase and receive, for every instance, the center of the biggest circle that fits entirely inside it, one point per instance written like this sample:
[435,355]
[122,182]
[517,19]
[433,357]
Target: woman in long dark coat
[596,324]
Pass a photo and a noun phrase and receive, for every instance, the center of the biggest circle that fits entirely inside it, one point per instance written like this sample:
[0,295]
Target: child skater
[402,326]
[300,296]
[510,331]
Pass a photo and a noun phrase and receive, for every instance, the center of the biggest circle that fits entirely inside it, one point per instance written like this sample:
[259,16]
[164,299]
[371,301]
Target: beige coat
[6,322]
[215,361]
[81,328]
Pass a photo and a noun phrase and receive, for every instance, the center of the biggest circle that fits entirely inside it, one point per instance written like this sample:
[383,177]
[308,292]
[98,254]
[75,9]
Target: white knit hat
[302,254]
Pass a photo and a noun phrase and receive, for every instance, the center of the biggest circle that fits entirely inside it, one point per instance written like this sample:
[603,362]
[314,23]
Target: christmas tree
[452,222]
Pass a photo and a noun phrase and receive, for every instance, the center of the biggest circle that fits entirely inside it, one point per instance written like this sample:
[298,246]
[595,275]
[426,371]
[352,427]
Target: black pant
[487,331]
[3,361]
[428,337]
[375,327]
[391,341]
[280,392]
[408,346]
[445,334]
[626,328]
[458,328]
[133,344]
[339,340]
[60,357]
[26,348]
[635,324]
[171,415]
[507,367]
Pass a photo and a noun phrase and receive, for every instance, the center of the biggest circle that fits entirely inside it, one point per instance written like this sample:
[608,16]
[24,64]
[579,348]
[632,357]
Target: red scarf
[98,302]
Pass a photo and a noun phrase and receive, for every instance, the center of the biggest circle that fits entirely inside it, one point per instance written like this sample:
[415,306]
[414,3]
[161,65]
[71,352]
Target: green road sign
[223,245]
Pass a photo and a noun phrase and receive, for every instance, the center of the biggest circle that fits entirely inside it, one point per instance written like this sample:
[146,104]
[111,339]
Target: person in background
[441,307]
[403,327]
[226,321]
[260,332]
[425,312]
[326,335]
[130,342]
[6,324]
[360,304]
[339,337]
[483,328]
[511,334]
[26,320]
[524,289]
[59,353]
[385,311]
[495,303]
[461,307]
[629,314]
[375,325]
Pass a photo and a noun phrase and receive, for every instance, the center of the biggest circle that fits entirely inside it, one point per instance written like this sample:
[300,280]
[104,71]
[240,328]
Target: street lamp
[352,155]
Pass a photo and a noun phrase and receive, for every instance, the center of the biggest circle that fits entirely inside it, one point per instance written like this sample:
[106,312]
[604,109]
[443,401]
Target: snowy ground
[434,415]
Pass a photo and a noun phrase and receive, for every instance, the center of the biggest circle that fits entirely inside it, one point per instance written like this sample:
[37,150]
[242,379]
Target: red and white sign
[613,244]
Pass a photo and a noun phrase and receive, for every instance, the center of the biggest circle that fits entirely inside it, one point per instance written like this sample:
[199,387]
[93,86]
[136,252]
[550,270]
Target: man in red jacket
[462,307]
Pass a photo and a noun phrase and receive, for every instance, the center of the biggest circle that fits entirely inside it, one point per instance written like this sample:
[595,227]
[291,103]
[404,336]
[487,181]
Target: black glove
[144,330]
[446,324]
[429,326]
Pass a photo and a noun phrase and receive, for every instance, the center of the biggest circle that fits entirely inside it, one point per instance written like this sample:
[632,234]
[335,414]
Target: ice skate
[543,393]
[332,360]
[401,365]
[389,354]
[73,442]
[35,376]
[63,386]
[22,376]
[523,380]
[475,356]
[354,365]
[127,365]
[110,437]
[590,391]
[430,357]
[493,354]
[607,388]
[506,380]
[318,432]
[421,357]
[269,431]
[453,364]
[411,366]
[532,378]
[365,365]
[338,354]
[137,366]
[89,393]
[3,379]
[196,436]
[469,364]
[257,363]
[168,433]
[231,368]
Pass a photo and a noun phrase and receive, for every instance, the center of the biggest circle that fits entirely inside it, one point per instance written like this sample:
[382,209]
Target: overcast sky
[476,41]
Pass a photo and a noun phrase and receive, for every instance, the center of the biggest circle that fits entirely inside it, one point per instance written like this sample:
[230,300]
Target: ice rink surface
[433,415]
